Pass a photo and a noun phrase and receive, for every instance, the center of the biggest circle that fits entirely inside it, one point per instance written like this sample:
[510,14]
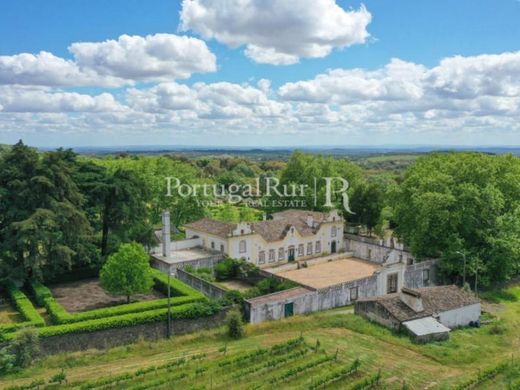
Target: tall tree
[44,231]
[463,202]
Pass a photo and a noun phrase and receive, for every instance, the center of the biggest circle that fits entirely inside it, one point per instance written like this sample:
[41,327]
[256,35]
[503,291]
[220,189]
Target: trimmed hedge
[181,293]
[186,311]
[24,307]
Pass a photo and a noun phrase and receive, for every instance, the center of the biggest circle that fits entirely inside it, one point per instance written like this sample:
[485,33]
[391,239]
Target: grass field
[196,361]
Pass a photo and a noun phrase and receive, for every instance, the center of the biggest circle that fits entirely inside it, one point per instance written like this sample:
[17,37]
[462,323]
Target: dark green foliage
[25,347]
[235,269]
[268,286]
[235,326]
[367,203]
[465,202]
[59,378]
[7,360]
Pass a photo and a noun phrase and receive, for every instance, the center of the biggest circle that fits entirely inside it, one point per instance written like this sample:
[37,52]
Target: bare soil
[236,285]
[88,294]
[8,313]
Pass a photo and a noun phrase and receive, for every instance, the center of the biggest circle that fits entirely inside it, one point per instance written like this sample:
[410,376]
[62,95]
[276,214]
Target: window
[261,257]
[400,258]
[426,275]
[391,283]
[242,246]
[369,254]
[354,293]
[409,260]
[222,248]
[309,248]
[271,255]
[300,250]
[333,231]
[212,245]
[281,254]
[317,248]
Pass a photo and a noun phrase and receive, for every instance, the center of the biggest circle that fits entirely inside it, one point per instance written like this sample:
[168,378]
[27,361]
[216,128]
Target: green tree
[367,203]
[43,228]
[463,202]
[127,271]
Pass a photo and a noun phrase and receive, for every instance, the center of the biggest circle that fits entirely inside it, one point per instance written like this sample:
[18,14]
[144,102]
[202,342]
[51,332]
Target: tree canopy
[467,203]
[127,271]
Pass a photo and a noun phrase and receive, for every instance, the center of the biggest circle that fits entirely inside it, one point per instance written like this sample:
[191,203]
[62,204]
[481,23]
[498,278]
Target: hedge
[181,293]
[24,307]
[186,311]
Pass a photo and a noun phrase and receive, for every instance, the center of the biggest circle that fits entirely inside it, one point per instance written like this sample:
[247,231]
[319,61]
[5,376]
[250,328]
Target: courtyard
[330,273]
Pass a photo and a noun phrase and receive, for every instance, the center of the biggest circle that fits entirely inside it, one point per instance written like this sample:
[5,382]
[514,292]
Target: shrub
[25,308]
[181,293]
[268,286]
[187,311]
[226,269]
[235,327]
[7,361]
[25,347]
[59,378]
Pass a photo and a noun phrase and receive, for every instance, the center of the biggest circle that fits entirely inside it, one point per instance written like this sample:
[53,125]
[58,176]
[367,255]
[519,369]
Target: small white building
[425,313]
[290,235]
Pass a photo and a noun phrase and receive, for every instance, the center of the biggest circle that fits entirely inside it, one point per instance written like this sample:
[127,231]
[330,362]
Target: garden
[128,292]
[243,280]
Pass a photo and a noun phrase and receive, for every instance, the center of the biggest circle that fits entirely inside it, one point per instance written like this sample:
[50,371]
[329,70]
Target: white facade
[461,316]
[245,243]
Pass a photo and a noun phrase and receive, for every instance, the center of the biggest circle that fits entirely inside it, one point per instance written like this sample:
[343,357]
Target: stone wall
[378,251]
[209,289]
[415,276]
[109,338]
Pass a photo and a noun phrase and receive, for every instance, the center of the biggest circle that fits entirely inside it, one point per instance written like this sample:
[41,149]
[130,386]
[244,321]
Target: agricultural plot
[296,363]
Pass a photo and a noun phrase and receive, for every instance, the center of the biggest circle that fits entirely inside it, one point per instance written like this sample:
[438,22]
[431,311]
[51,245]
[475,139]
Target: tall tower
[166,240]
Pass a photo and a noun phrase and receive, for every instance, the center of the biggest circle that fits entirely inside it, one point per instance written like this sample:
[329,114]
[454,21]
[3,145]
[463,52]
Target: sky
[260,72]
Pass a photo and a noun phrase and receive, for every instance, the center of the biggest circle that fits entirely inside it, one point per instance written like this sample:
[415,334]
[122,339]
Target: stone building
[425,313]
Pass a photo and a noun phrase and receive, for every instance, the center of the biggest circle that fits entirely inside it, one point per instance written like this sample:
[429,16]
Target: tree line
[60,211]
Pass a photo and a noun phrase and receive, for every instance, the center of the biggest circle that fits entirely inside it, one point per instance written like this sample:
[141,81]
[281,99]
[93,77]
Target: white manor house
[290,235]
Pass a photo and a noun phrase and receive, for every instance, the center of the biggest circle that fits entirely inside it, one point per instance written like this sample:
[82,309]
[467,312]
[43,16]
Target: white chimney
[310,221]
[166,240]
[412,299]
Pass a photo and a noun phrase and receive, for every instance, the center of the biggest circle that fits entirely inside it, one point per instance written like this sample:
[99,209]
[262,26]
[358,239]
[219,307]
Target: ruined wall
[379,251]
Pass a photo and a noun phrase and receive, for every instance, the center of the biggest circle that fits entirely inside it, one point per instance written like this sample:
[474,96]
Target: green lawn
[436,365]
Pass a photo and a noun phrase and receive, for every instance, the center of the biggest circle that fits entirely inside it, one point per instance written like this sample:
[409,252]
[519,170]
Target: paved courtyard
[182,255]
[331,273]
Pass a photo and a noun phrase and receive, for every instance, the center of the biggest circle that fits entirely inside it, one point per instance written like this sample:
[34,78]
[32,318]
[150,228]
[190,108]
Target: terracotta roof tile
[211,226]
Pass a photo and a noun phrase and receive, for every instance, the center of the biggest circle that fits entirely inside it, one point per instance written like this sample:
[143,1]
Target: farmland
[209,360]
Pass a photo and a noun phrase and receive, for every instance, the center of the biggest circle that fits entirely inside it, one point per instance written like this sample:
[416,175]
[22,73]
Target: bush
[25,308]
[187,311]
[230,268]
[182,294]
[25,347]
[268,286]
[235,327]
[7,361]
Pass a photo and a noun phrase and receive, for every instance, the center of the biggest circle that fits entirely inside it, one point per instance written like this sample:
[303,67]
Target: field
[197,361]
[89,295]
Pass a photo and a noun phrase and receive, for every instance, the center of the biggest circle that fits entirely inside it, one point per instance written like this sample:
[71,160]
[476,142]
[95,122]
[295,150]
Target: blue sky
[440,106]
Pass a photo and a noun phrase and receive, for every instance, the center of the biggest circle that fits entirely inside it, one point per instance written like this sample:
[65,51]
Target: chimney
[412,299]
[310,221]
[166,242]
[264,217]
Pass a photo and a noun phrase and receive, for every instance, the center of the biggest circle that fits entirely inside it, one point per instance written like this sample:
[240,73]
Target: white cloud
[45,68]
[278,32]
[30,99]
[111,63]
[159,56]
